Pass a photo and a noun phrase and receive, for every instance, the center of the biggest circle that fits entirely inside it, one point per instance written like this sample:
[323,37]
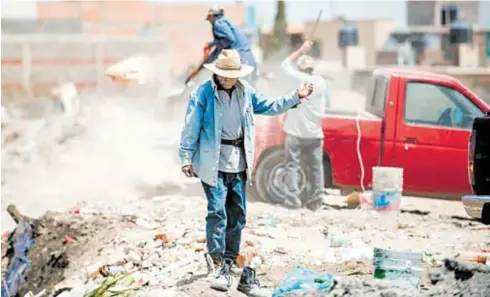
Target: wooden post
[14,213]
[99,56]
[26,67]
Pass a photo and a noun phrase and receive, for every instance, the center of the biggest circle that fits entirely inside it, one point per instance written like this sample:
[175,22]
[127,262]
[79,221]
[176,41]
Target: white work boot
[222,282]
[211,264]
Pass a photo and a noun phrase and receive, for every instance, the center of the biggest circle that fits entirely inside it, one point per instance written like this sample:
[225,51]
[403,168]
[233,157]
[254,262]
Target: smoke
[124,148]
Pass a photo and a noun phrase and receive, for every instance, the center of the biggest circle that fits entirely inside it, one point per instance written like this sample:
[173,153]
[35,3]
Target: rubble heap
[160,242]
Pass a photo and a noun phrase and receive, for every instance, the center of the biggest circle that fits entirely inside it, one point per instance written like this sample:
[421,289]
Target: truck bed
[340,144]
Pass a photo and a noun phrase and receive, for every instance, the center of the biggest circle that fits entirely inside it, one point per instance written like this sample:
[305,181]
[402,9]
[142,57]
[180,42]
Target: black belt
[234,142]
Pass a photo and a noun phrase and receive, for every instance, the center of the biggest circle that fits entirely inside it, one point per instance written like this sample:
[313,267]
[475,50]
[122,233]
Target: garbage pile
[104,249]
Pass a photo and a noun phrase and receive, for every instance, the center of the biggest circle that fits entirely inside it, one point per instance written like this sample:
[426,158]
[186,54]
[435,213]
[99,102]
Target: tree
[279,36]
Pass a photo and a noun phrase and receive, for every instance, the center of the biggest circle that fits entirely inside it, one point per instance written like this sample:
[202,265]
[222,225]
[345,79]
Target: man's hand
[306,46]
[305,90]
[188,170]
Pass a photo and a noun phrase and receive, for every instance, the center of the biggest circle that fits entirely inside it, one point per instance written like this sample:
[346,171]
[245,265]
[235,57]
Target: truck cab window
[377,96]
[436,105]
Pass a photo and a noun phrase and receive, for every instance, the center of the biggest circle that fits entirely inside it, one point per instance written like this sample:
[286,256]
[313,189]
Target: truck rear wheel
[270,178]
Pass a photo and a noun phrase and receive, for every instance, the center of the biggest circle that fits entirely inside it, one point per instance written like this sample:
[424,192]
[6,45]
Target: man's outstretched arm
[275,106]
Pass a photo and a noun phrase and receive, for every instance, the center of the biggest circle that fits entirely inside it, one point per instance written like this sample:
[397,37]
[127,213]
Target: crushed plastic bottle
[304,280]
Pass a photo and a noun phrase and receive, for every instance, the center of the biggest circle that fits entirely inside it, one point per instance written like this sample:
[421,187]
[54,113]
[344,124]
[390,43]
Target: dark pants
[312,152]
[226,216]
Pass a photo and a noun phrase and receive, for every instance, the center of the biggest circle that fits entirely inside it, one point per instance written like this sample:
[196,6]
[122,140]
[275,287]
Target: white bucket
[387,179]
[387,194]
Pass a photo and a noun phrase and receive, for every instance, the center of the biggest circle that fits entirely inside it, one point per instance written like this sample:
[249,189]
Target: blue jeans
[226,216]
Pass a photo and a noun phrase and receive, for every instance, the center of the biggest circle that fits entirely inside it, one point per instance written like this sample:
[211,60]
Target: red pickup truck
[415,120]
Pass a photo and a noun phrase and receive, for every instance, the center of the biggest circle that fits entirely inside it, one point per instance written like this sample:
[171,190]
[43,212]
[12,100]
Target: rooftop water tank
[461,31]
[348,35]
[449,14]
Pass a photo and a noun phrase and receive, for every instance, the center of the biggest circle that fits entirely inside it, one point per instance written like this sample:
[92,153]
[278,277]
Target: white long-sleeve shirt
[305,120]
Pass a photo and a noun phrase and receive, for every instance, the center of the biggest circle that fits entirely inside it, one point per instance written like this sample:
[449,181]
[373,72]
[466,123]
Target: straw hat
[228,65]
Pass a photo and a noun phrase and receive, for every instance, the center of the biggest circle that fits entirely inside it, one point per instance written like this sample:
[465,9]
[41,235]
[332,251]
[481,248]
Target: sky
[297,10]
[266,9]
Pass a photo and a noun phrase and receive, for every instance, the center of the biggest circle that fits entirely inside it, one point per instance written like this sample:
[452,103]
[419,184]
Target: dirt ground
[106,233]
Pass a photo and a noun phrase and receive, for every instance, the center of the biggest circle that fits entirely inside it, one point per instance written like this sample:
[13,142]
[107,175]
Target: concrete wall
[372,36]
[135,13]
[32,65]
[420,13]
[428,13]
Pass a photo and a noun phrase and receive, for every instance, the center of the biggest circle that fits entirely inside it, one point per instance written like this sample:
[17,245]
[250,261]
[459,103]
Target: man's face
[210,18]
[226,83]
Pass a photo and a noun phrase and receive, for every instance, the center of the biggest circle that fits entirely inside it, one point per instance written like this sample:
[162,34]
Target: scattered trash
[403,268]
[246,256]
[357,272]
[403,226]
[280,251]
[267,220]
[163,237]
[40,294]
[304,280]
[76,210]
[146,224]
[69,238]
[430,260]
[353,200]
[21,240]
[121,285]
[474,257]
[366,200]
[108,270]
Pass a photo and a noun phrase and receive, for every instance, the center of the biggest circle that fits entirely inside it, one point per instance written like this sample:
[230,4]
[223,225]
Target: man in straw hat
[228,36]
[304,134]
[217,146]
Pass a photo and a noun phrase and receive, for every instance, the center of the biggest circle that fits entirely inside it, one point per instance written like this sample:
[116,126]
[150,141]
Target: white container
[387,195]
[387,179]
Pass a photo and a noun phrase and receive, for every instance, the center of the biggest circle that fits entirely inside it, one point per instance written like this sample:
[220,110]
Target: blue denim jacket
[201,135]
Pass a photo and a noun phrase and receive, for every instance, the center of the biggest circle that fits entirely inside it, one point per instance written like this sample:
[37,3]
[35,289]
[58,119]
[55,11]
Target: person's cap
[213,11]
[306,62]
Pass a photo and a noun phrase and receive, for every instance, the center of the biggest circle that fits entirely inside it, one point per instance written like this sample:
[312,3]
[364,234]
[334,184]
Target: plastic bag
[23,239]
[304,280]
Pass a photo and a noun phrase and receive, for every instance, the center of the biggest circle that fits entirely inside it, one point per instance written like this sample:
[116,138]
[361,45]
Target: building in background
[428,13]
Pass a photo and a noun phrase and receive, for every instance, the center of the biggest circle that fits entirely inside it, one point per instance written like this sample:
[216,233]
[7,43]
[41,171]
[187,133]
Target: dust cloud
[127,149]
[123,149]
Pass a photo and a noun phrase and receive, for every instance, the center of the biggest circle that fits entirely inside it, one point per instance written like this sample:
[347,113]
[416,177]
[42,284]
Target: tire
[327,173]
[269,178]
[485,214]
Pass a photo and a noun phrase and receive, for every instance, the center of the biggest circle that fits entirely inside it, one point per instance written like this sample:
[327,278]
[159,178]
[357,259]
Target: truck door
[431,141]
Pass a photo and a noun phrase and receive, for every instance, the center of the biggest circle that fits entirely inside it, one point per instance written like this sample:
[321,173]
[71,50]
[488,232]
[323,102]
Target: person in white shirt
[304,135]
